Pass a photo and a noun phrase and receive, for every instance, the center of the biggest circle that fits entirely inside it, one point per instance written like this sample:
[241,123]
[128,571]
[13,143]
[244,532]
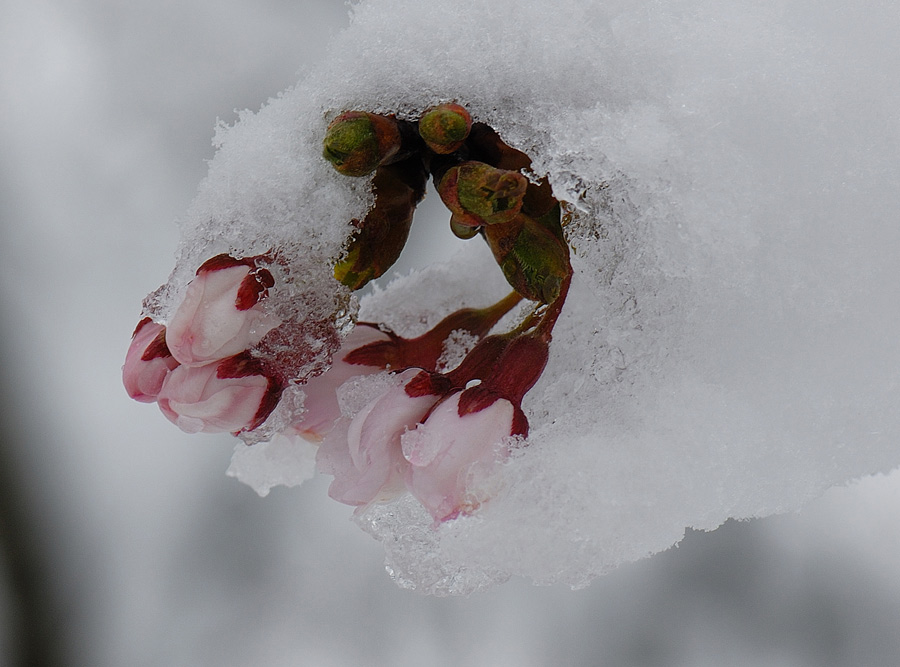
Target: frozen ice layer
[285,460]
[729,345]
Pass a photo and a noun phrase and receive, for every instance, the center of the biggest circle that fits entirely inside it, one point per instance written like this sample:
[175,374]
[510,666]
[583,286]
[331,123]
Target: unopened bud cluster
[479,178]
[199,369]
[437,433]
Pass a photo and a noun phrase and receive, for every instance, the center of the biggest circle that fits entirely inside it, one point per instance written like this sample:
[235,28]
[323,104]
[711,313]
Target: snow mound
[729,347]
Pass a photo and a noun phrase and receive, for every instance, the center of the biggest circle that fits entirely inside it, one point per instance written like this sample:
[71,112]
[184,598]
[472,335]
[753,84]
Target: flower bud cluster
[199,369]
[437,435]
[218,364]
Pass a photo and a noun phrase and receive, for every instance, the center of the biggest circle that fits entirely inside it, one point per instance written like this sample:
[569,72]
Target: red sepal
[427,384]
[157,349]
[239,366]
[267,405]
[379,353]
[476,399]
[519,367]
[243,365]
[480,361]
[520,422]
[140,325]
[224,261]
[253,288]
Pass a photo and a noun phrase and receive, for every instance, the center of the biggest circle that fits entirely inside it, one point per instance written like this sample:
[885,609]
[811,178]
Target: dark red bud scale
[381,236]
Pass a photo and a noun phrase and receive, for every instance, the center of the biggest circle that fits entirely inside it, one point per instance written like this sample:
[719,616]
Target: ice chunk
[285,460]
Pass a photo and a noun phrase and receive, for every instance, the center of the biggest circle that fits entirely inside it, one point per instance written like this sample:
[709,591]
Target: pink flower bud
[321,403]
[221,314]
[232,395]
[147,361]
[368,464]
[451,456]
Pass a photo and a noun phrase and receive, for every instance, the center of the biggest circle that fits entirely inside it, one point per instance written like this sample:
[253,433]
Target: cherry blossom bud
[221,314]
[479,194]
[515,371]
[381,236]
[451,456]
[356,142]
[321,403]
[147,361]
[445,127]
[233,394]
[369,349]
[368,465]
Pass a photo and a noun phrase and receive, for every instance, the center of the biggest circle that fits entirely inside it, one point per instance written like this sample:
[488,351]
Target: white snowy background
[150,555]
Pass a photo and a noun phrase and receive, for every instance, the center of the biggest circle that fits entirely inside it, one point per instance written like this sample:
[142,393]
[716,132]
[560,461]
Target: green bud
[462,231]
[479,194]
[445,127]
[380,237]
[357,142]
[534,260]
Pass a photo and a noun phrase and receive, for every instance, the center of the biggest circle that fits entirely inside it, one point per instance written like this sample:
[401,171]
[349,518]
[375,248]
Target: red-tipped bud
[221,314]
[147,362]
[234,395]
[445,127]
[356,142]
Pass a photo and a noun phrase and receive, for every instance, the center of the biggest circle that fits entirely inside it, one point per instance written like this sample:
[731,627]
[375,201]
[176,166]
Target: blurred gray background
[124,543]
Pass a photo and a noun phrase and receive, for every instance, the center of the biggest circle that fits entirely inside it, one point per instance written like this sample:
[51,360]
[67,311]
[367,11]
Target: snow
[728,349]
